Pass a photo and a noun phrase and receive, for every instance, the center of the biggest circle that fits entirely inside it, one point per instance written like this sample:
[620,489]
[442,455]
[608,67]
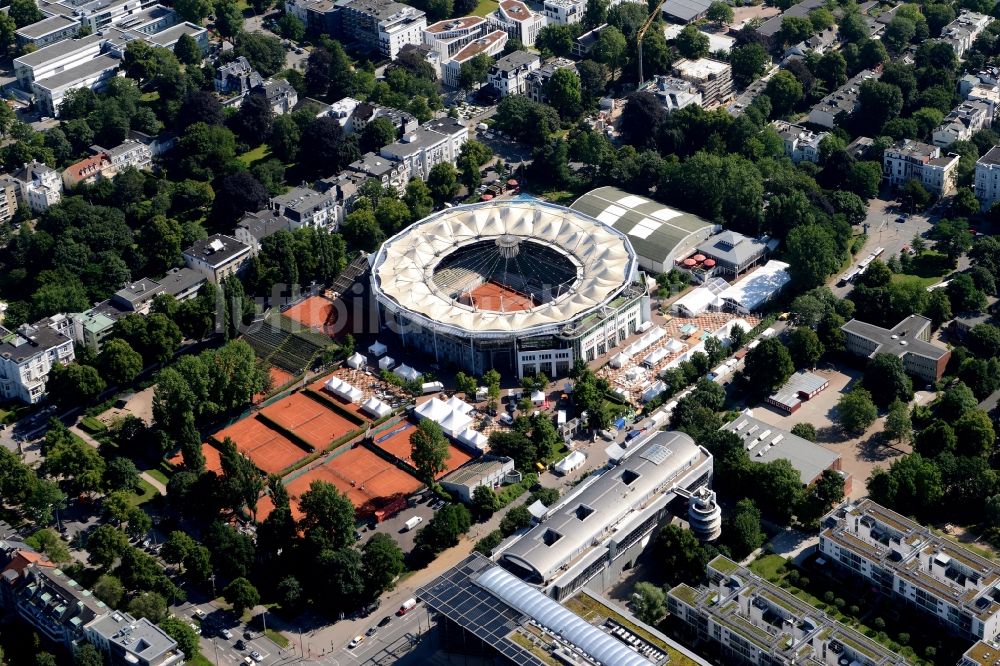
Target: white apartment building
[963,31]
[383,25]
[28,354]
[908,563]
[988,178]
[491,45]
[386,170]
[564,12]
[9,197]
[713,79]
[537,80]
[509,74]
[450,36]
[108,162]
[800,143]
[518,21]
[908,159]
[217,257]
[434,142]
[306,207]
[40,186]
[842,100]
[47,31]
[964,120]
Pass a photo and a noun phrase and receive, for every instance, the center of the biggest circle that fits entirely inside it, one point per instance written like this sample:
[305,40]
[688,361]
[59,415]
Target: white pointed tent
[376,407]
[386,362]
[455,423]
[457,404]
[473,438]
[538,397]
[356,360]
[406,373]
[377,349]
[434,409]
[342,389]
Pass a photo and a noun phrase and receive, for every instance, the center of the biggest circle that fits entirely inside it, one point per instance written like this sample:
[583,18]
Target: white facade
[965,120]
[29,354]
[217,257]
[564,12]
[988,178]
[963,31]
[434,142]
[40,185]
[800,143]
[450,36]
[491,45]
[398,31]
[908,159]
[518,21]
[509,75]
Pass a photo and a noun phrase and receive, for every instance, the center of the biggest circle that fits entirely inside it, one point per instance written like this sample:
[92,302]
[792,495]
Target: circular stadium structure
[517,285]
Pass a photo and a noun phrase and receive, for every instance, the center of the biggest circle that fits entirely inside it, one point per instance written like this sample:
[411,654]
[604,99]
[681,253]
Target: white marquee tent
[473,438]
[377,349]
[386,362]
[376,407]
[344,390]
[457,404]
[406,373]
[538,397]
[356,360]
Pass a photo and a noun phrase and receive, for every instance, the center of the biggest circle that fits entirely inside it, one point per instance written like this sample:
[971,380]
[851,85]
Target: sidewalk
[160,488]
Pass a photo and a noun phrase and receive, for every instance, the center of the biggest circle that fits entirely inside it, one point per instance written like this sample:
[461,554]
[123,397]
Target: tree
[832,68]
[556,40]
[121,474]
[768,366]
[193,10]
[795,29]
[473,72]
[898,426]
[813,255]
[328,149]
[379,132]
[187,50]
[109,590]
[517,518]
[957,400]
[805,431]
[855,410]
[992,511]
[679,555]
[484,501]
[691,43]
[563,92]
[118,362]
[382,562]
[254,119]
[228,19]
[784,91]
[649,601]
[749,62]
[610,47]
[805,347]
[181,631]
[429,450]
[886,380]
[912,484]
[746,535]
[149,605]
[898,34]
[328,519]
[238,193]
[720,12]
[938,308]
[87,655]
[879,103]
[593,77]
[443,182]
[48,542]
[105,545]
[24,12]
[596,13]
[242,595]
[291,27]
[75,384]
[974,433]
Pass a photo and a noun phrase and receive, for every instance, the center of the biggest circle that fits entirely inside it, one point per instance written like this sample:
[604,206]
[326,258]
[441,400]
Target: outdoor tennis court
[316,312]
[396,442]
[213,459]
[368,481]
[308,419]
[495,296]
[279,378]
[269,450]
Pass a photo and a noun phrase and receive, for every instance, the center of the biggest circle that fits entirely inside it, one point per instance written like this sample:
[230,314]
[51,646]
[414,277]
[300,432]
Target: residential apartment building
[39,185]
[537,80]
[963,31]
[674,93]
[988,178]
[843,100]
[236,77]
[319,16]
[801,145]
[909,340]
[564,12]
[306,207]
[382,25]
[964,120]
[133,642]
[914,566]
[509,74]
[279,94]
[434,142]
[713,79]
[751,621]
[217,257]
[490,44]
[518,20]
[253,228]
[450,36]
[108,163]
[981,654]
[386,170]
[912,160]
[28,354]
[9,197]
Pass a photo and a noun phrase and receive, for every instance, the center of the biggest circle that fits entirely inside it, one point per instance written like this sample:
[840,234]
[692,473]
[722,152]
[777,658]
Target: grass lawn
[276,638]
[485,7]
[199,660]
[158,475]
[927,268]
[148,493]
[769,567]
[559,197]
[255,155]
[149,96]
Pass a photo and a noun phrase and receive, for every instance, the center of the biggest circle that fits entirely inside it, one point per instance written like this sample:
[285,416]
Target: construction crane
[642,33]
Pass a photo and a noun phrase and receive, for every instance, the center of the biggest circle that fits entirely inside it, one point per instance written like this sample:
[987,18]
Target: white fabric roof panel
[403,268]
[559,620]
[375,406]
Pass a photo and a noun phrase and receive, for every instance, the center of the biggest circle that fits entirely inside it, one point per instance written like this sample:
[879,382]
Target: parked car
[200,614]
[371,632]
[225,633]
[384,621]
[356,641]
[257,656]
[240,645]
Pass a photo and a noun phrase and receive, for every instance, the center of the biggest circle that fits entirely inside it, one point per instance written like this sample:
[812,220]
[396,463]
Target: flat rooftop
[901,339]
[99,64]
[765,443]
[58,50]
[46,26]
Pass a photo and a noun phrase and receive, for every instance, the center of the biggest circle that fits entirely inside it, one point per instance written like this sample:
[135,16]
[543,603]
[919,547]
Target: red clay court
[396,442]
[368,481]
[279,378]
[316,312]
[213,459]
[498,298]
[269,450]
[308,419]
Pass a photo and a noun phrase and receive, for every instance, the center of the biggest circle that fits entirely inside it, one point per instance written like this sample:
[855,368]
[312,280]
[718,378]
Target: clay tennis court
[316,312]
[279,378]
[368,481]
[269,450]
[495,296]
[396,442]
[213,459]
[308,419]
